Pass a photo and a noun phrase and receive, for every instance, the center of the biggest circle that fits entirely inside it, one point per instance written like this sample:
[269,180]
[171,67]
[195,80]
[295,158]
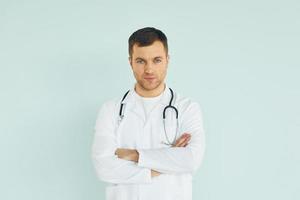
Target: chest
[139,129]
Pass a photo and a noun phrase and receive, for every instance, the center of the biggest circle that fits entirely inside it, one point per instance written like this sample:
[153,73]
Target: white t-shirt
[149,103]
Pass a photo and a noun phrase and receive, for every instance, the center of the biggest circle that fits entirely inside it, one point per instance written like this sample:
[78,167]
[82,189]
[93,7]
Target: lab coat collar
[132,96]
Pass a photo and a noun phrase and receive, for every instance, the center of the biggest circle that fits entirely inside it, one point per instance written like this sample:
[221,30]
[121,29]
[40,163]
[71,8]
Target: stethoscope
[121,116]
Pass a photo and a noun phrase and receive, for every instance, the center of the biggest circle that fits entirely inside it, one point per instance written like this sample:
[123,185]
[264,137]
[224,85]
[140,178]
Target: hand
[183,140]
[127,154]
[154,173]
[132,155]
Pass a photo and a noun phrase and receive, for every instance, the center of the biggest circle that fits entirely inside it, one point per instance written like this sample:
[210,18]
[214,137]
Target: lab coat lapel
[132,105]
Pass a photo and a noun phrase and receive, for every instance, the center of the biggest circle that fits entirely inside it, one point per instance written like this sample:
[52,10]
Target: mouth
[149,78]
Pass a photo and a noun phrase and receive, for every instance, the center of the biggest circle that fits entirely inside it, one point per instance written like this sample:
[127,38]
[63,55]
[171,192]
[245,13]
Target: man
[149,143]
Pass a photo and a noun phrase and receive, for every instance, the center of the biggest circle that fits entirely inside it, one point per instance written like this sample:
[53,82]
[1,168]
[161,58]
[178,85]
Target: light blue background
[60,60]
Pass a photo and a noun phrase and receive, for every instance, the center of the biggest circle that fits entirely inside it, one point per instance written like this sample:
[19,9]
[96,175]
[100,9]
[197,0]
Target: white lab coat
[127,180]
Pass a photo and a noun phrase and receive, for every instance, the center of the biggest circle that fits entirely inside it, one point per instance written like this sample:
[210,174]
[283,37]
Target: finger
[117,151]
[183,141]
[122,152]
[185,134]
[180,140]
[186,142]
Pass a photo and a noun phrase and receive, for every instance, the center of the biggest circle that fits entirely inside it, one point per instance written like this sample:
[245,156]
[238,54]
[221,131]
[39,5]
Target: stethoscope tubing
[121,115]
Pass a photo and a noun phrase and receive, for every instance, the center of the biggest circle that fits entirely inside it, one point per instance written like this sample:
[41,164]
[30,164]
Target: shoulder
[111,103]
[187,105]
[109,106]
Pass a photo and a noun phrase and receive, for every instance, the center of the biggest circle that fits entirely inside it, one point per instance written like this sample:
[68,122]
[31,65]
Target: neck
[149,93]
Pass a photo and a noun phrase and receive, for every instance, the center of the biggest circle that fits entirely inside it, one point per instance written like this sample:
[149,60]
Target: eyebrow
[144,59]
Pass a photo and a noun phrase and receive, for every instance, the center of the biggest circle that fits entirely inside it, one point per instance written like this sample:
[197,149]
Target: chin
[153,86]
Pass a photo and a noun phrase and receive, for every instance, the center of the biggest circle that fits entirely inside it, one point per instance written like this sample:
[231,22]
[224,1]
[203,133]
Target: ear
[130,61]
[168,58]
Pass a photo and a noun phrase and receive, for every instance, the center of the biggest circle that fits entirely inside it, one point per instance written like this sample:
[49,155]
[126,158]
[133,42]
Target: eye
[157,60]
[140,61]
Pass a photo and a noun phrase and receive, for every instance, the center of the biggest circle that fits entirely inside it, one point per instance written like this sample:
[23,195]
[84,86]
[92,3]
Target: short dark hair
[145,37]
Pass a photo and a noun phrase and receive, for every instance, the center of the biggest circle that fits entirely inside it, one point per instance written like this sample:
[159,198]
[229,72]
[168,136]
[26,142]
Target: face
[149,65]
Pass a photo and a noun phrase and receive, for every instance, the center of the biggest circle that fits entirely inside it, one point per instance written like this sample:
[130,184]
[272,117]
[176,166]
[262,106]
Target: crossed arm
[133,154]
[126,166]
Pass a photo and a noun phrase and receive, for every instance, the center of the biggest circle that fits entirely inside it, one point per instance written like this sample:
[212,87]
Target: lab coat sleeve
[109,168]
[179,159]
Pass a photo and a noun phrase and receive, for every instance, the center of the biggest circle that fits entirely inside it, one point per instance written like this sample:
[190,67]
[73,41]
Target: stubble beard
[148,87]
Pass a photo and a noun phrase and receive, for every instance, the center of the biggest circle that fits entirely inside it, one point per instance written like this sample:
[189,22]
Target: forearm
[178,159]
[114,170]
[127,154]
[110,168]
[182,159]
[165,160]
[132,155]
[168,160]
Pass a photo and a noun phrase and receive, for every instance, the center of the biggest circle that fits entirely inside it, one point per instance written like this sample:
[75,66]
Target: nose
[148,68]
